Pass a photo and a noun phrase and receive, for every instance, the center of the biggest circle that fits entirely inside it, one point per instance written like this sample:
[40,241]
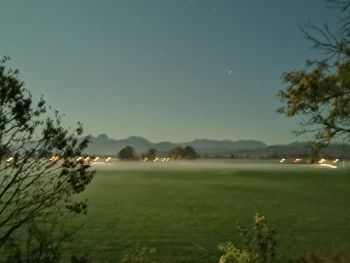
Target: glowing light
[54,158]
[328,165]
[9,159]
[79,158]
[282,160]
[322,161]
[108,159]
[145,159]
[87,159]
[96,159]
[336,161]
[298,160]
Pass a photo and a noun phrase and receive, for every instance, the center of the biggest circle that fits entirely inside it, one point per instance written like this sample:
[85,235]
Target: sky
[166,70]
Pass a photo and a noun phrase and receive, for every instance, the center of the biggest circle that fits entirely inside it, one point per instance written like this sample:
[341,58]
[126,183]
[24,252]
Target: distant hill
[102,144]
[295,149]
[215,146]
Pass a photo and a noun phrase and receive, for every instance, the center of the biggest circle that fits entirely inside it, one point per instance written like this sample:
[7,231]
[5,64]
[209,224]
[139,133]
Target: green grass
[186,213]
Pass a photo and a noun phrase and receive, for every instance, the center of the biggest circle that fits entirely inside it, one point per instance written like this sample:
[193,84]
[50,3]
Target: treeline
[129,153]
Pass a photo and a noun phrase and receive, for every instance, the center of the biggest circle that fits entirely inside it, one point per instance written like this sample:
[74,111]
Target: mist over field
[214,164]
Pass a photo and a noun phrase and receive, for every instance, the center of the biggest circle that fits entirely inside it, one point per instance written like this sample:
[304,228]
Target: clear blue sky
[163,69]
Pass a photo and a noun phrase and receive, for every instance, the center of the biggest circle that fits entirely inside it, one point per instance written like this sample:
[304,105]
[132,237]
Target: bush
[36,245]
[41,242]
[260,244]
[260,240]
[231,254]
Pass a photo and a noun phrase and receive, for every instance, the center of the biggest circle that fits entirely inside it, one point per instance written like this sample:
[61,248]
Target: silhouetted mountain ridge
[103,145]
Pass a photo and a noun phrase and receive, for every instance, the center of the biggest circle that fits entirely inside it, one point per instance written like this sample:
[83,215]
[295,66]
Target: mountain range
[103,145]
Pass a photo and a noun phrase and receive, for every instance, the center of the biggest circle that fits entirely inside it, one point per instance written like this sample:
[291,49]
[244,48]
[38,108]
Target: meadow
[183,211]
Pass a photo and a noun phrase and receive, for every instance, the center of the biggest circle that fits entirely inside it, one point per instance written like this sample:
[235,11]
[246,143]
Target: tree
[176,153]
[321,92]
[334,43]
[183,153]
[152,154]
[31,185]
[128,153]
[190,153]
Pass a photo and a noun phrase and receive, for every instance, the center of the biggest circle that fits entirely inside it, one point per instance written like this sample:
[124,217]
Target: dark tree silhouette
[176,153]
[152,154]
[31,185]
[190,153]
[183,153]
[128,153]
[321,92]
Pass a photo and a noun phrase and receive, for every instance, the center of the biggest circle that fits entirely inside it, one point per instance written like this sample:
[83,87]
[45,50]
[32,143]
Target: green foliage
[231,254]
[260,247]
[38,249]
[32,185]
[128,153]
[260,244]
[39,242]
[321,93]
[260,240]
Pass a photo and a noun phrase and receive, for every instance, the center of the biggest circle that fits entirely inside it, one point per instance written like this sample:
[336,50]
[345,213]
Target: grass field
[184,212]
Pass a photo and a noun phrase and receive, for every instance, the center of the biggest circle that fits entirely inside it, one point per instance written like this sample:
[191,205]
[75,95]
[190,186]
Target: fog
[217,164]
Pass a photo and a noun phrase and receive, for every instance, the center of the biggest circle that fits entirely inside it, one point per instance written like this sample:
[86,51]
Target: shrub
[231,254]
[260,244]
[260,240]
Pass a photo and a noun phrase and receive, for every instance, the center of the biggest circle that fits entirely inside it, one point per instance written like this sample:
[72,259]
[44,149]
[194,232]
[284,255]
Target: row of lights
[55,158]
[299,160]
[89,159]
[322,161]
[157,159]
